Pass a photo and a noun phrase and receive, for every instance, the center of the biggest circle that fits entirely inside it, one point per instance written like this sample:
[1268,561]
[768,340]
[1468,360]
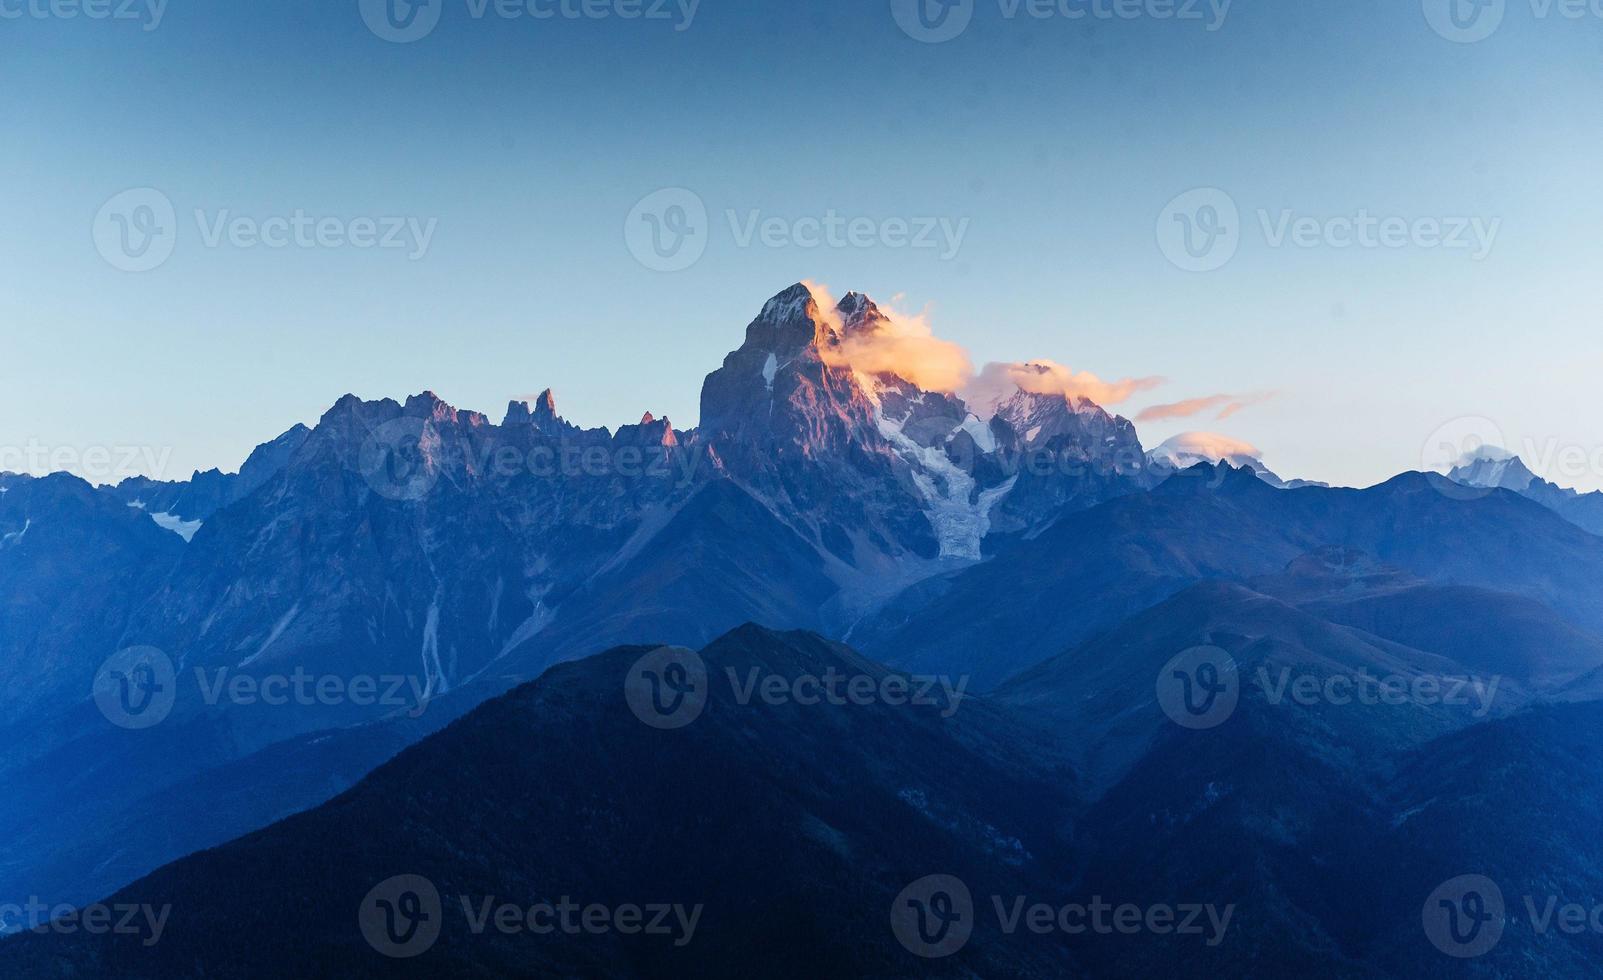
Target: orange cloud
[1190,447]
[1228,405]
[903,344]
[997,381]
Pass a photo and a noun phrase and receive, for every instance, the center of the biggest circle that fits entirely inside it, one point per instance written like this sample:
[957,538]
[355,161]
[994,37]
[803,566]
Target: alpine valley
[924,633]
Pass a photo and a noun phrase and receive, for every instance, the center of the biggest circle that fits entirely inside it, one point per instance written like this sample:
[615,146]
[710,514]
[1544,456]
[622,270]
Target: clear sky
[1055,144]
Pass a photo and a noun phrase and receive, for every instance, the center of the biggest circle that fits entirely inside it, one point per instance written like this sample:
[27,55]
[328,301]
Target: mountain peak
[789,304]
[1491,468]
[544,411]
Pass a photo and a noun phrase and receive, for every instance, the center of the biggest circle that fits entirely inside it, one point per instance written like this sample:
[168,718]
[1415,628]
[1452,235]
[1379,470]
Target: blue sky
[1055,143]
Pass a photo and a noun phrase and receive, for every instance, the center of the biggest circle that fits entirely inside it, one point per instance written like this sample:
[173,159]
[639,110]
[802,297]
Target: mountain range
[399,642]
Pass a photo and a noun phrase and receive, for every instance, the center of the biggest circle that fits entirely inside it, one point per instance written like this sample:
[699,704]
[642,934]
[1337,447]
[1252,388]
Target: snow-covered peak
[1040,416]
[1492,467]
[1190,448]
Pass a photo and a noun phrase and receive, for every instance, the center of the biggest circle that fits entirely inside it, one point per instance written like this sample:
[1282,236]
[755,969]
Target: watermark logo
[667,230]
[1200,230]
[932,21]
[136,230]
[933,917]
[1199,688]
[393,462]
[668,687]
[1465,21]
[402,21]
[1463,917]
[136,688]
[402,916]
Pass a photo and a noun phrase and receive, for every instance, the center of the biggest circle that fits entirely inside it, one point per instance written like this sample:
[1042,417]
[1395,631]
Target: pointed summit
[859,313]
[791,322]
[543,414]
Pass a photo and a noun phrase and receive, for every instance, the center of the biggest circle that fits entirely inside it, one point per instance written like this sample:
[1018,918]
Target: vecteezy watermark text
[147,922]
[402,917]
[393,462]
[669,230]
[97,464]
[669,688]
[406,21]
[138,688]
[1200,688]
[138,230]
[1202,229]
[935,916]
[148,13]
[1363,688]
[938,21]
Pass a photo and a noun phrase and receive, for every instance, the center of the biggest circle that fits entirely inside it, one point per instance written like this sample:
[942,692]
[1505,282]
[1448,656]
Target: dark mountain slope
[1510,802]
[75,565]
[794,826]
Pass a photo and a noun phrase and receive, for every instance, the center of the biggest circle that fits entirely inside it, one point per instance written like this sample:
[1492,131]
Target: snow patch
[981,433]
[495,602]
[272,637]
[172,522]
[770,369]
[434,676]
[16,536]
[960,523]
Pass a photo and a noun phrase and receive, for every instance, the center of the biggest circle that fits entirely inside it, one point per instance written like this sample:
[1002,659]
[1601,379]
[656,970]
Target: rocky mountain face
[923,476]
[74,565]
[1499,471]
[203,494]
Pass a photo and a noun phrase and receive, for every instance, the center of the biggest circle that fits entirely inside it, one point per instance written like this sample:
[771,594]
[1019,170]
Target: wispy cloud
[904,345]
[1226,406]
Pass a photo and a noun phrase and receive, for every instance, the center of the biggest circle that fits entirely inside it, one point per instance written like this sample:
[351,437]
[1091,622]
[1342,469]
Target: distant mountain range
[412,578]
[1496,469]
